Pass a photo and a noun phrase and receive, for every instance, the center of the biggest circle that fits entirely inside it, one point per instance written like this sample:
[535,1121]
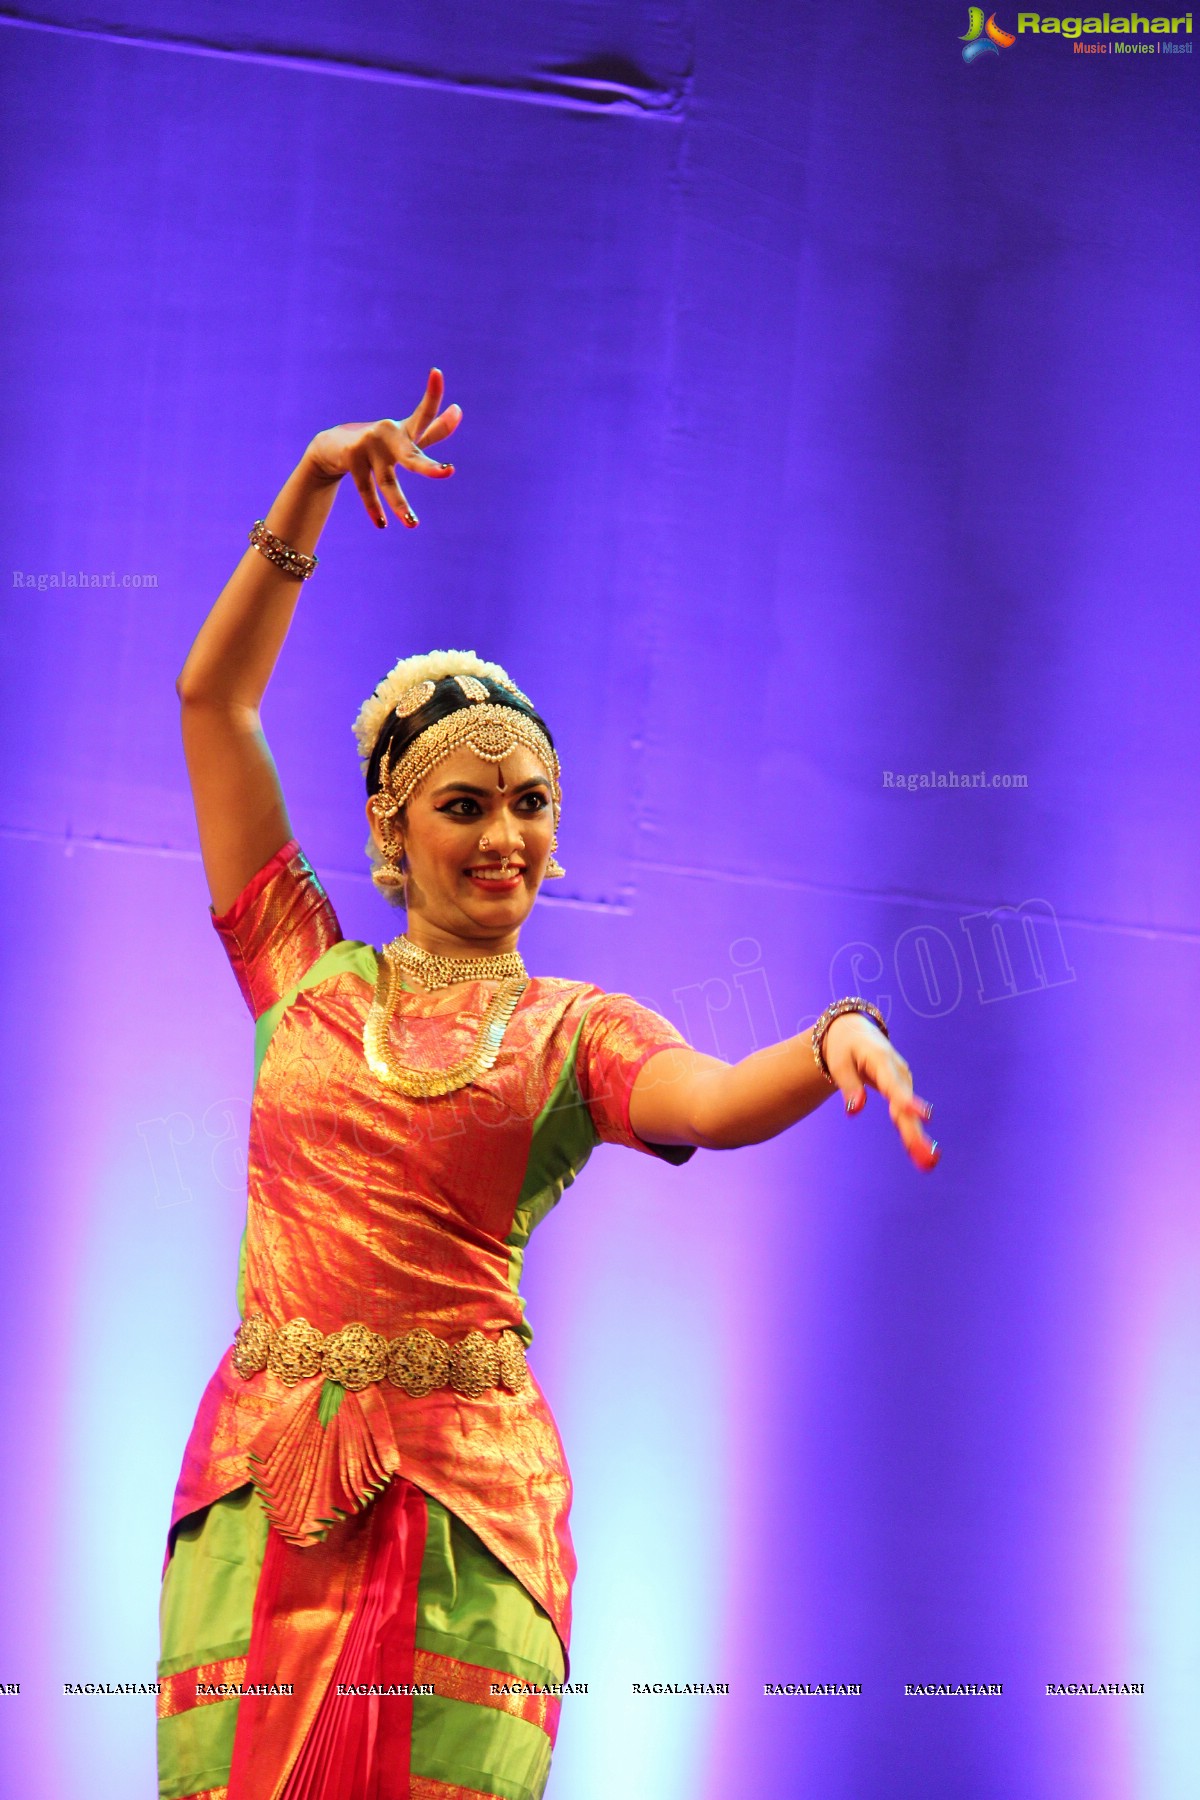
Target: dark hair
[447,697]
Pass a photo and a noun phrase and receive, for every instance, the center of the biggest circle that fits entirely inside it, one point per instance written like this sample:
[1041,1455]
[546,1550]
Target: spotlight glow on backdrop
[830,413]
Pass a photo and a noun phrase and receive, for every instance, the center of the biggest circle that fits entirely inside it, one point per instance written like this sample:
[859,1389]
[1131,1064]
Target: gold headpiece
[411,682]
[491,730]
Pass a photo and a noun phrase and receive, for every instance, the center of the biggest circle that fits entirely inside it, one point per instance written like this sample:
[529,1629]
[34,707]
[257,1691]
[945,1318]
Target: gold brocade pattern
[473,1683]
[426,1787]
[368,1209]
[276,929]
[177,1693]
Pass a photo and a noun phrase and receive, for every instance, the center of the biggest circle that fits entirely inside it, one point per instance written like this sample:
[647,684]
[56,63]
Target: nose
[502,839]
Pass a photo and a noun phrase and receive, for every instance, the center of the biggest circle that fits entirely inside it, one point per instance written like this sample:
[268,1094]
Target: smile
[494,876]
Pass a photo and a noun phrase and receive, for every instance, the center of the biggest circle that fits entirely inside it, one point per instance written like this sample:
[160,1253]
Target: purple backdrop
[831,415]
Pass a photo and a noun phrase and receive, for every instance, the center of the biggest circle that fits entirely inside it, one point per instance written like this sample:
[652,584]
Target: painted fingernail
[382,524]
[410,518]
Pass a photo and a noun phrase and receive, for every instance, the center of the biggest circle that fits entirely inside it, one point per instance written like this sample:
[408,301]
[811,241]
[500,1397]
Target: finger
[854,1094]
[428,404]
[361,475]
[392,492]
[878,1069]
[442,426]
[891,1075]
[392,443]
[921,1148]
[898,1106]
[902,1104]
[420,464]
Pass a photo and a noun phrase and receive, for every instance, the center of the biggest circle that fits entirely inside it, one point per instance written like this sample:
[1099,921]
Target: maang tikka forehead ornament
[487,727]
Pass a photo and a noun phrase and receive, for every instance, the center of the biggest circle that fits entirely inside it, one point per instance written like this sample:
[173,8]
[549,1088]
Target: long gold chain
[427,1084]
[434,971]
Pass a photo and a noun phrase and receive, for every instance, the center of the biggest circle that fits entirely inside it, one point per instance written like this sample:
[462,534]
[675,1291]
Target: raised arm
[240,809]
[684,1097]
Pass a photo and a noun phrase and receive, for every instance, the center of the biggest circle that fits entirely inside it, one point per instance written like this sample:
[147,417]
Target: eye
[463,800]
[540,802]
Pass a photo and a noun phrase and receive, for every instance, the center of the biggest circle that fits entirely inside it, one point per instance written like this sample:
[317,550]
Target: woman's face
[454,886]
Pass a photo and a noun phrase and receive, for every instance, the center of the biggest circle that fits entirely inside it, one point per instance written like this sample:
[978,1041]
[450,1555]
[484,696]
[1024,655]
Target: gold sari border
[454,1680]
[177,1693]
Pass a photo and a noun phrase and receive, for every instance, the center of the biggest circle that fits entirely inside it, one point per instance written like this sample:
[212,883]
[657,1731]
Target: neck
[440,942]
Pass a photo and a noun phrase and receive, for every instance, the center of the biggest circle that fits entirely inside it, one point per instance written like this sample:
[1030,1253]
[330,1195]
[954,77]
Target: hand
[856,1051]
[369,453]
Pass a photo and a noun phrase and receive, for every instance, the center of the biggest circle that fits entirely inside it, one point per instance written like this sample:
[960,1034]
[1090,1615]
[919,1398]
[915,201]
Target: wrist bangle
[293,562]
[853,1003]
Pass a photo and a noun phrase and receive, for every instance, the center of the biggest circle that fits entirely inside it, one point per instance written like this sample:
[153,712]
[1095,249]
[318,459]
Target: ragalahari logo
[983,39]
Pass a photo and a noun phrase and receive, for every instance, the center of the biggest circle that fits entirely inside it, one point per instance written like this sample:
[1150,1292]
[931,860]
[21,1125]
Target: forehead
[464,765]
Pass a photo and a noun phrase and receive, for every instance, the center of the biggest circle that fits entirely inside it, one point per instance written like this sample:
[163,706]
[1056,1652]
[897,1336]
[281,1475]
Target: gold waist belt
[356,1356]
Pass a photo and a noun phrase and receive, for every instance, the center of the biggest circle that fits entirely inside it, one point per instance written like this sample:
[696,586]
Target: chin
[502,907]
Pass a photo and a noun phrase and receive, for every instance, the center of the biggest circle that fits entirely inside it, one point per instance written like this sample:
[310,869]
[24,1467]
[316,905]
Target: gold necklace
[434,971]
[427,1084]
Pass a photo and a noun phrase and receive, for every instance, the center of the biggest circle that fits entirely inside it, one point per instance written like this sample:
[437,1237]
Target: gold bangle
[293,562]
[853,1003]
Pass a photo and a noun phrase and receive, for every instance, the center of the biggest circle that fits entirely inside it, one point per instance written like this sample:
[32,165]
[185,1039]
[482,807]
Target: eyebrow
[465,787]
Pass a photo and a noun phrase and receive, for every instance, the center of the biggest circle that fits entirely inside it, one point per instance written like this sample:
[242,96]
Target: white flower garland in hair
[433,666]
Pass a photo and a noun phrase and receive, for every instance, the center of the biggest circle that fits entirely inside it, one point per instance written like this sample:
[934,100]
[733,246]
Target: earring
[390,878]
[554,869]
[389,875]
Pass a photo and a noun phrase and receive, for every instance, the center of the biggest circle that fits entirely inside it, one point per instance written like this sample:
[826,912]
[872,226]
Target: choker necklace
[427,1084]
[434,971]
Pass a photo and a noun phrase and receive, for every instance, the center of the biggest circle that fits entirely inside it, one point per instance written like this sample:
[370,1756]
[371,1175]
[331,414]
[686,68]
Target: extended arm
[683,1097]
[240,809]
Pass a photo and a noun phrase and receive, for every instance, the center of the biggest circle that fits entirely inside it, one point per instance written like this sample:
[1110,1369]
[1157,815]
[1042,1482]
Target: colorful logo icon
[983,38]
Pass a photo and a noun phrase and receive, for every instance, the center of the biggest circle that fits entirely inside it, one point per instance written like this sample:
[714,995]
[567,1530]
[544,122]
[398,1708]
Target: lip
[492,883]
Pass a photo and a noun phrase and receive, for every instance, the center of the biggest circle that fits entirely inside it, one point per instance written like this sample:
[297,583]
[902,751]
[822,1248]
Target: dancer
[367,1587]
